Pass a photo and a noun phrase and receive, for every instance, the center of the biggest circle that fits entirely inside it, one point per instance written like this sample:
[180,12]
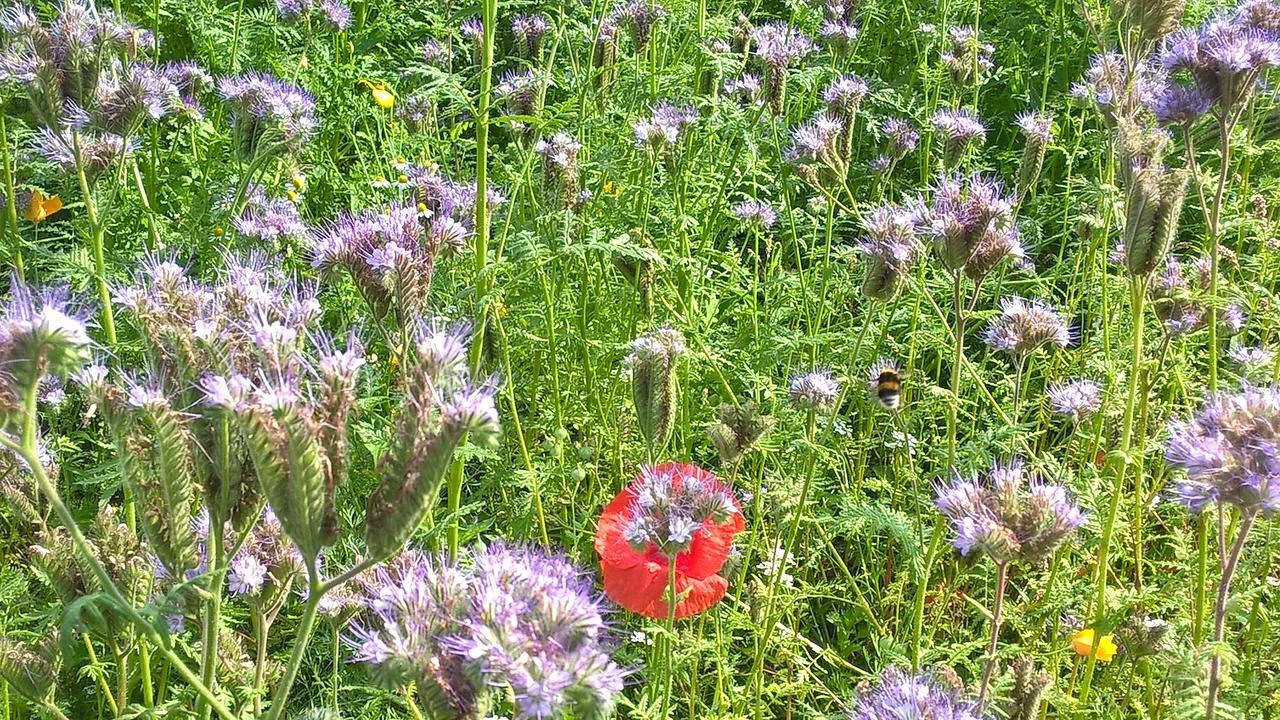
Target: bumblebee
[886,384]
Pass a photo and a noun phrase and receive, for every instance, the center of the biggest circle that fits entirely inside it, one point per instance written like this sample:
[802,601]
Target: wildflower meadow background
[880,359]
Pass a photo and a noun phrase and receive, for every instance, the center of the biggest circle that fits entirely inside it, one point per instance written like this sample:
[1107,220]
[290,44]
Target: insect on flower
[672,513]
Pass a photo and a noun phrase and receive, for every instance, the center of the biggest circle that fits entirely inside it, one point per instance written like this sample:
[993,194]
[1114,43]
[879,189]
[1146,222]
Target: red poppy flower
[637,579]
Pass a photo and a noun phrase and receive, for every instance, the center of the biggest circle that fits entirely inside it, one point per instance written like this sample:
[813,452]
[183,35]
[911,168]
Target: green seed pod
[653,384]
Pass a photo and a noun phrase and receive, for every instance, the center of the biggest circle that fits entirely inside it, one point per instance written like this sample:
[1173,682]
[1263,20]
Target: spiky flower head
[966,215]
[268,219]
[891,246]
[899,694]
[1025,326]
[41,333]
[639,16]
[959,130]
[844,96]
[665,127]
[815,391]
[1224,58]
[903,136]
[671,509]
[517,621]
[968,59]
[778,45]
[652,362]
[737,430]
[560,166]
[1178,104]
[756,213]
[1076,399]
[1227,453]
[270,114]
[528,31]
[1007,516]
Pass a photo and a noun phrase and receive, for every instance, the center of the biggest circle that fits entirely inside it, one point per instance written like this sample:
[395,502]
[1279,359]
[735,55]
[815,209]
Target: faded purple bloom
[246,575]
[815,391]
[639,16]
[1229,452]
[746,87]
[519,89]
[1037,126]
[903,137]
[967,215]
[959,129]
[818,141]
[1076,399]
[1006,517]
[40,334]
[778,45]
[336,14]
[969,59]
[269,219]
[891,247]
[665,126]
[98,151]
[1025,326]
[528,31]
[269,110]
[900,695]
[757,213]
[1252,358]
[844,96]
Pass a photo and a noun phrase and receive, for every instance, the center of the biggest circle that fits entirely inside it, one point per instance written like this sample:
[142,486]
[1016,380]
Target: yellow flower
[611,188]
[217,231]
[381,95]
[39,207]
[1083,643]
[292,195]
[299,181]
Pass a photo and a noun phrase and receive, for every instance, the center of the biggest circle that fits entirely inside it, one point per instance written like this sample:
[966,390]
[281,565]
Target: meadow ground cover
[686,359]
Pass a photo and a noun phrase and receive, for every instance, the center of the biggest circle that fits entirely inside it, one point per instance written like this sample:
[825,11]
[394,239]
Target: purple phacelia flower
[1229,453]
[269,110]
[815,391]
[959,130]
[1076,399]
[756,213]
[1025,326]
[1008,517]
[899,695]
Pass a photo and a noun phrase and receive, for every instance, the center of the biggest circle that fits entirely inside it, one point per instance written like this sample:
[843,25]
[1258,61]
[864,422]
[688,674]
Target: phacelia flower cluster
[672,513]
[332,13]
[269,114]
[1006,517]
[814,391]
[560,167]
[665,127]
[1075,399]
[891,246]
[959,129]
[514,621]
[1025,326]
[971,225]
[968,59]
[1227,453]
[899,694]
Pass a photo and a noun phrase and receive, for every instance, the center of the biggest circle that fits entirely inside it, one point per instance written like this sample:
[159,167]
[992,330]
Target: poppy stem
[669,641]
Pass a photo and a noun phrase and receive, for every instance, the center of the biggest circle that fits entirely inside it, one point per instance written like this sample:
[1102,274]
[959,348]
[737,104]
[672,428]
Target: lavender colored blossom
[844,95]
[336,14]
[269,219]
[903,137]
[1009,517]
[959,129]
[1025,326]
[40,334]
[968,60]
[1037,126]
[97,151]
[891,246]
[899,695]
[1178,104]
[665,126]
[1076,399]
[515,620]
[966,216]
[639,17]
[269,110]
[560,167]
[778,45]
[1225,59]
[1227,453]
[1252,358]
[815,391]
[756,213]
[668,516]
[528,31]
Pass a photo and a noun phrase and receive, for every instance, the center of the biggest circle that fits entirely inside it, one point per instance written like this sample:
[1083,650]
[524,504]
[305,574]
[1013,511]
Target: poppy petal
[638,587]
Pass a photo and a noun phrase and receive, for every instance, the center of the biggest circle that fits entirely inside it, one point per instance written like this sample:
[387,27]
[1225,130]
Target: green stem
[11,201]
[922,590]
[213,611]
[997,616]
[670,641]
[1118,464]
[97,232]
[306,627]
[1229,565]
